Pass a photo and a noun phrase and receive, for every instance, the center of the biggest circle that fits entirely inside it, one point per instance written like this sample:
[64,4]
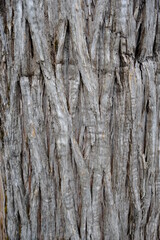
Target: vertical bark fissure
[79,119]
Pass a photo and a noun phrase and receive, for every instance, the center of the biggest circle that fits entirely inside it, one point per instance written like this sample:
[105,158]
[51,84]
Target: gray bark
[79,119]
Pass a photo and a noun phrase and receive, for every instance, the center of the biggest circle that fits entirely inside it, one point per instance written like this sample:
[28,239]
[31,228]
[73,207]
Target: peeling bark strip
[79,119]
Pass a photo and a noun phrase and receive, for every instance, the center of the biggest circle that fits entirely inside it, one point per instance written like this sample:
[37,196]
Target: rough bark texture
[79,119]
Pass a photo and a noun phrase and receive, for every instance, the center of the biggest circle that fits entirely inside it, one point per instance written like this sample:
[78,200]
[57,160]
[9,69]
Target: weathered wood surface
[79,119]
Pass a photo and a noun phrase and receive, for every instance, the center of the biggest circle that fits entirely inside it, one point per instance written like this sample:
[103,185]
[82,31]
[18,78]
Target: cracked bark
[79,119]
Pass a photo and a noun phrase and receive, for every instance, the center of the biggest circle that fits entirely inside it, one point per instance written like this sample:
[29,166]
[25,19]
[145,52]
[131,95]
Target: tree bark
[79,119]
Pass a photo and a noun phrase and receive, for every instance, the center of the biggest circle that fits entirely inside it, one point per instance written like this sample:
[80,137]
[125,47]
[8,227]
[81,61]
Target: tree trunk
[79,119]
